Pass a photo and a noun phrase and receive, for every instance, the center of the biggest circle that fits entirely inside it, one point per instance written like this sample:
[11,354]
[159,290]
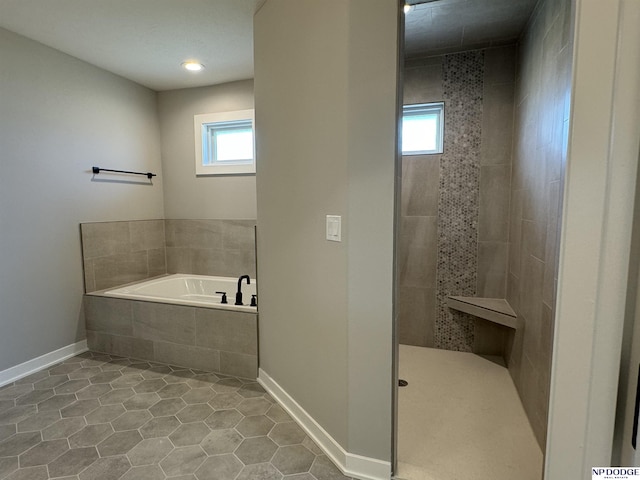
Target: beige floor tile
[460,417]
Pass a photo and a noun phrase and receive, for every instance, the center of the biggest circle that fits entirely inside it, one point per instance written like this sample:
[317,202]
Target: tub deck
[187,289]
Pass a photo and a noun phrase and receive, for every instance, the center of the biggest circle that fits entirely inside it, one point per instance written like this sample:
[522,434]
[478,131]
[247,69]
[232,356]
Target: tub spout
[239,292]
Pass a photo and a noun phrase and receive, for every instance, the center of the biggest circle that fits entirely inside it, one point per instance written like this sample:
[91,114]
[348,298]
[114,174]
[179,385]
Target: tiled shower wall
[115,253]
[454,206]
[542,122]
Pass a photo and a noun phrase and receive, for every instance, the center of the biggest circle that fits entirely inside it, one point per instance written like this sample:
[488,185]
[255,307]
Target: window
[422,128]
[225,143]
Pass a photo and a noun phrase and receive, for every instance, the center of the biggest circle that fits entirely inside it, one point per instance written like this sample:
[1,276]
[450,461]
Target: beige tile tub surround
[211,247]
[208,339]
[116,253]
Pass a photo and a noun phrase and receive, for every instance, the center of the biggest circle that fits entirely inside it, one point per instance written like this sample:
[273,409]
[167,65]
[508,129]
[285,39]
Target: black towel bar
[97,170]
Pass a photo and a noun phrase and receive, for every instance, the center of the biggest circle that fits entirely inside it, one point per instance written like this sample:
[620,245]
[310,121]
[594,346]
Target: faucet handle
[224,297]
[253,303]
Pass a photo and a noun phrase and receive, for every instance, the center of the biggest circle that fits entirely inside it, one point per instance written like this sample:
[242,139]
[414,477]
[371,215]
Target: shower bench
[495,310]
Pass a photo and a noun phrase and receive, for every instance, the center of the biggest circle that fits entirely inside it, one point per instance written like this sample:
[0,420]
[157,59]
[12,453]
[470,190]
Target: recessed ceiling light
[192,66]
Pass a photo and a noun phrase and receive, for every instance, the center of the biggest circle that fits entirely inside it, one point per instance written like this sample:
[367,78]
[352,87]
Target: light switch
[334,228]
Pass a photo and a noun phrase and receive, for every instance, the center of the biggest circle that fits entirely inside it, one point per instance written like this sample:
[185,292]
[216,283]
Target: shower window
[224,143]
[422,128]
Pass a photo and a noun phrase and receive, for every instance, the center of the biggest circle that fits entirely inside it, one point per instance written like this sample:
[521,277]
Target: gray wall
[325,86]
[542,113]
[455,206]
[203,197]
[58,117]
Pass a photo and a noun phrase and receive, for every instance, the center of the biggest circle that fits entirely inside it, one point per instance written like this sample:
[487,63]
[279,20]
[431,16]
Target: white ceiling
[147,40]
[144,40]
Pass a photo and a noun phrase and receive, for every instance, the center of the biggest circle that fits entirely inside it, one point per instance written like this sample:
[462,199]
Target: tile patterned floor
[100,417]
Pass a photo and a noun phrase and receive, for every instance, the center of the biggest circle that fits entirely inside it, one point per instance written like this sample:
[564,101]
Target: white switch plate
[334,228]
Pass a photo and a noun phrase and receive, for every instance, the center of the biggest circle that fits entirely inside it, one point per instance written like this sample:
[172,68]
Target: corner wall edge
[352,465]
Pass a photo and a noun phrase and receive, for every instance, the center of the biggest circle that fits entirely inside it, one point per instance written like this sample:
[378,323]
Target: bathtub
[177,320]
[195,290]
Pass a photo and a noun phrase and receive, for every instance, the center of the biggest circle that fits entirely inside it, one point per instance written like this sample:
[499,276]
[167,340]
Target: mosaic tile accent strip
[98,416]
[458,204]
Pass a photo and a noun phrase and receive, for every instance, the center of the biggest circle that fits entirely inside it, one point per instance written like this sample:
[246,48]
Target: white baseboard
[351,465]
[30,366]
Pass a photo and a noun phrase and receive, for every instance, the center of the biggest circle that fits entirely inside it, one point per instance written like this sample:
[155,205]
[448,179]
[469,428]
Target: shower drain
[402,383]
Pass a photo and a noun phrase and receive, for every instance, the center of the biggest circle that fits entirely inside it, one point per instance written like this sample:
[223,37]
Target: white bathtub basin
[182,289]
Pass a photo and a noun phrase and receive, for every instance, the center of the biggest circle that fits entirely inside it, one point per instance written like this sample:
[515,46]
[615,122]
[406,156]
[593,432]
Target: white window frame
[427,108]
[206,163]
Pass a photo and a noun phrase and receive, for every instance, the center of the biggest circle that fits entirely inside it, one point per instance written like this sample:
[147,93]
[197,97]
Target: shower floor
[460,418]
